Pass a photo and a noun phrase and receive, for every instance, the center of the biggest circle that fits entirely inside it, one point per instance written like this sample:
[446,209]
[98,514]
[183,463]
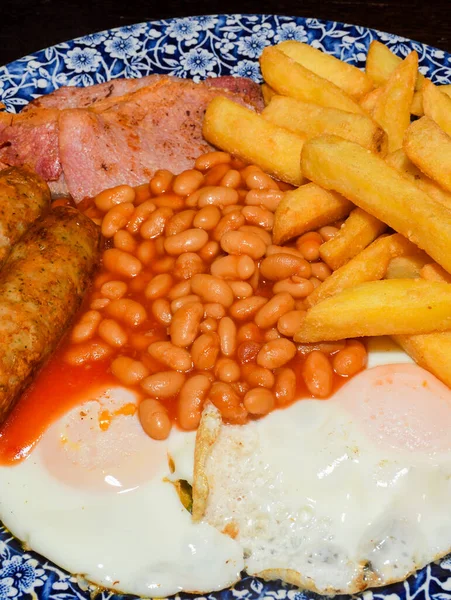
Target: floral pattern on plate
[195,47]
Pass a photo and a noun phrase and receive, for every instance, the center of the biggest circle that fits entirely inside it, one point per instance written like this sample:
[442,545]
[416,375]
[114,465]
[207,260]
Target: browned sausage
[24,196]
[42,284]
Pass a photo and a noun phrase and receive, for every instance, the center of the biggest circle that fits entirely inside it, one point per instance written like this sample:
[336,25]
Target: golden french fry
[387,307]
[417,104]
[390,104]
[347,77]
[407,267]
[356,233]
[381,62]
[312,120]
[432,351]
[370,183]
[246,134]
[401,163]
[268,93]
[429,148]
[309,207]
[289,78]
[369,265]
[434,272]
[437,106]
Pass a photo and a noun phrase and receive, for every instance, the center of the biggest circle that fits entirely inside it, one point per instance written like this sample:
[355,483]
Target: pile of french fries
[348,142]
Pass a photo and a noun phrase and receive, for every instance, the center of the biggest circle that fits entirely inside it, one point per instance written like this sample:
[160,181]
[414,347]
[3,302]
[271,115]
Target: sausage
[24,196]
[42,284]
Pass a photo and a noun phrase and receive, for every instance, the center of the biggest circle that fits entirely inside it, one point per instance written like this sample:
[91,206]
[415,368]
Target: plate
[195,47]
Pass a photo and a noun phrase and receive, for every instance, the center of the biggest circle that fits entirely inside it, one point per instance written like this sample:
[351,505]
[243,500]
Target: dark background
[29,25]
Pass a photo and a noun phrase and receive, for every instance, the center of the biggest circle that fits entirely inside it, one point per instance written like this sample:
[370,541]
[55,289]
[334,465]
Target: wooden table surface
[29,25]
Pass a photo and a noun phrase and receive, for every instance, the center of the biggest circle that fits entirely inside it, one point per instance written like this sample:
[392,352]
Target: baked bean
[276,353]
[170,355]
[240,387]
[154,225]
[185,324]
[321,271]
[289,323]
[309,236]
[217,196]
[276,306]
[241,289]
[328,232]
[272,334]
[215,174]
[233,267]
[116,195]
[183,288]
[315,282]
[142,193]
[164,384]
[163,265]
[116,218]
[247,352]
[188,264]
[161,310]
[232,221]
[121,263]
[300,304]
[86,326]
[247,307]
[112,333]
[146,251]
[139,283]
[350,360]
[227,401]
[254,281]
[101,278]
[128,371]
[161,182]
[99,303]
[231,179]
[270,199]
[259,401]
[261,233]
[191,400]
[86,352]
[128,311]
[282,266]
[212,289]
[187,182]
[207,218]
[209,251]
[211,159]
[154,419]
[169,200]
[205,350]
[123,240]
[180,222]
[142,212]
[298,287]
[227,370]
[227,336]
[183,301]
[273,249]
[243,242]
[249,331]
[159,286]
[309,250]
[258,180]
[285,386]
[215,310]
[190,240]
[317,374]
[232,208]
[260,217]
[258,376]
[208,324]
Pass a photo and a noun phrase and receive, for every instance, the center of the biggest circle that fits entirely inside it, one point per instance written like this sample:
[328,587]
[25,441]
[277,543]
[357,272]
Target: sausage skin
[24,196]
[42,284]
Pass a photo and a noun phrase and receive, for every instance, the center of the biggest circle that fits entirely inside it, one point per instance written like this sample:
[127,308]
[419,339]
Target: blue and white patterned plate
[196,47]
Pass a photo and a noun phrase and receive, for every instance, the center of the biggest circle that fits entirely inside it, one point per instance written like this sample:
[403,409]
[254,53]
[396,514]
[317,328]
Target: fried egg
[96,497]
[338,495]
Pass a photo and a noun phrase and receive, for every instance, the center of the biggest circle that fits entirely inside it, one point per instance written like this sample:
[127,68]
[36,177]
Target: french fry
[370,183]
[289,78]
[369,265]
[432,351]
[407,267]
[246,134]
[312,120]
[417,104]
[381,62]
[387,307]
[390,104]
[356,233]
[306,208]
[401,163]
[347,77]
[267,92]
[437,106]
[434,272]
[429,148]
